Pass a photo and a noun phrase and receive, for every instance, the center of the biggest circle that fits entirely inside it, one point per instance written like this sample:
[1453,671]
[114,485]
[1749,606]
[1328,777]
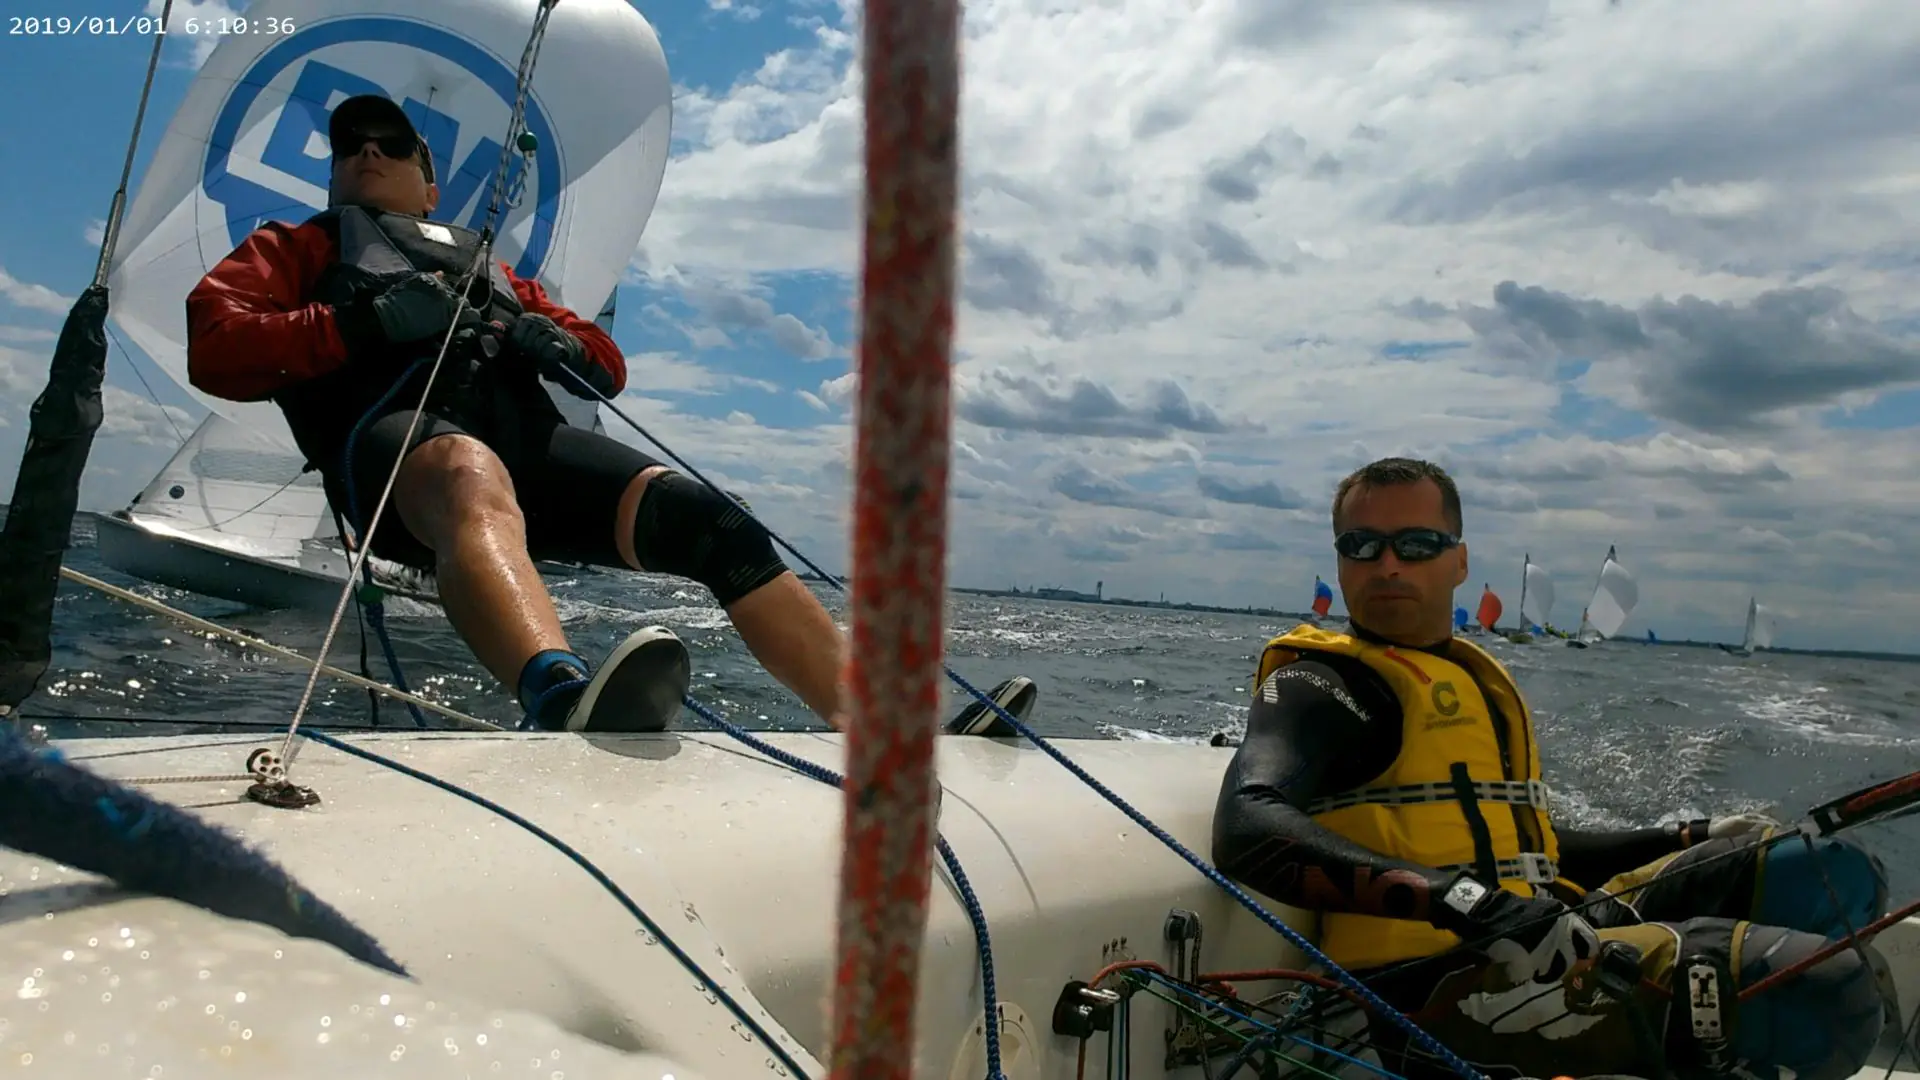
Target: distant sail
[1536,593]
[1490,607]
[1461,618]
[1614,598]
[1322,597]
[1759,627]
[248,145]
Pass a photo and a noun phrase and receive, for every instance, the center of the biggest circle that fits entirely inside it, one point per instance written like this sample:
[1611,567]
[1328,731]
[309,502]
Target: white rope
[462,719]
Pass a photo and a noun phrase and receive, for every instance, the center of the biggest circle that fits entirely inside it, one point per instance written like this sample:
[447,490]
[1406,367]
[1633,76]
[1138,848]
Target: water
[1631,733]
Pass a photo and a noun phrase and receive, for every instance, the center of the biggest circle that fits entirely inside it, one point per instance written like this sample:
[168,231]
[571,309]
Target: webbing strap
[1530,866]
[1534,793]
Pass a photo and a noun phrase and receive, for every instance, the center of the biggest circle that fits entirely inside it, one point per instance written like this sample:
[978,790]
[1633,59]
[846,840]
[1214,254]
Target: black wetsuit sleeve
[1589,858]
[1308,737]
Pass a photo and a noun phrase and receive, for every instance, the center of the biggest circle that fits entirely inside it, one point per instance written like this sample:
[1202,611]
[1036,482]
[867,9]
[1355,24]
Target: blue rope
[976,913]
[56,810]
[659,933]
[1294,937]
[376,612]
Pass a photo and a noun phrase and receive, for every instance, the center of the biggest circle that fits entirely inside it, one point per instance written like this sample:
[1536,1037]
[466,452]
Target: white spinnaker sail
[1538,602]
[229,486]
[248,144]
[1613,600]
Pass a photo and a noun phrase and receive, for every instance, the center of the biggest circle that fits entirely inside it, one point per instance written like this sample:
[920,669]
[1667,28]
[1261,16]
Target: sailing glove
[559,356]
[1534,938]
[416,308]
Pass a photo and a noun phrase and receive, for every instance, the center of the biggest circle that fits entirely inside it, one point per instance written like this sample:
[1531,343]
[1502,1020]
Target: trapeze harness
[1464,793]
[374,247]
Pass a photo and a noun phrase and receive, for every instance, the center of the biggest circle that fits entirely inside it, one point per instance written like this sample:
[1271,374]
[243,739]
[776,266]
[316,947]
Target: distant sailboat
[1490,608]
[1759,630]
[1614,597]
[1322,597]
[1536,600]
[1460,620]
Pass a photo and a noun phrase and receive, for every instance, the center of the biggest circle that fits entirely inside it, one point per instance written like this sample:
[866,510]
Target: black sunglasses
[397,147]
[1409,545]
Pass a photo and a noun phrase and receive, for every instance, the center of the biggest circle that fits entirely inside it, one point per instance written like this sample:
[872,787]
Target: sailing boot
[1016,695]
[638,688]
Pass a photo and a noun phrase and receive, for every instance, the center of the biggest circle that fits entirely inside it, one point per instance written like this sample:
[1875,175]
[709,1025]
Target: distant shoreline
[1070,596]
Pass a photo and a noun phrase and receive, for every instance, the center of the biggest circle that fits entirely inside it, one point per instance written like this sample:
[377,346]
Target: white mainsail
[1536,594]
[1759,627]
[230,487]
[1614,598]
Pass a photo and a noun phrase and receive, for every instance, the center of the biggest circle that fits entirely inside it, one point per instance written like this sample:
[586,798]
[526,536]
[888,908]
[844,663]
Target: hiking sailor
[1390,780]
[323,317]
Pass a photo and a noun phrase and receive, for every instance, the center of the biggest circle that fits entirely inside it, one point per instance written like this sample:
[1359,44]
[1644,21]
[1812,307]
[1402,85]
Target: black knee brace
[685,528]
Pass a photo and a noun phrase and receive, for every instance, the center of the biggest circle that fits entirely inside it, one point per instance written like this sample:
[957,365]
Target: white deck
[724,848]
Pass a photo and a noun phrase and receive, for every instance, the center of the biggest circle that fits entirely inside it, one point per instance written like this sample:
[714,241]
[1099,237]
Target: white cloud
[1239,247]
[32,297]
[196,22]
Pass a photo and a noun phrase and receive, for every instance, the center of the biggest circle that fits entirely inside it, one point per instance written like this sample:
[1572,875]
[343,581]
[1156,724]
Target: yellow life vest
[1464,793]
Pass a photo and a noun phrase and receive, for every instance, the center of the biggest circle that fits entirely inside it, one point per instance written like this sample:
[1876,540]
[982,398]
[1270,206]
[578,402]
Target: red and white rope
[902,451]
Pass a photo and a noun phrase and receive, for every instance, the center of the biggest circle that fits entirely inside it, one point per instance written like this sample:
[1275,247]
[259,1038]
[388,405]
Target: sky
[1641,273]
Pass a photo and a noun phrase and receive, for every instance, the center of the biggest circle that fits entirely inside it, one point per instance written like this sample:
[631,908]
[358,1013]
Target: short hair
[1398,470]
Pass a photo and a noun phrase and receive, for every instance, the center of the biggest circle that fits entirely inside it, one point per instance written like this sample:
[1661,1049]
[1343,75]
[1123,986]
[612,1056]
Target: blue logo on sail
[465,186]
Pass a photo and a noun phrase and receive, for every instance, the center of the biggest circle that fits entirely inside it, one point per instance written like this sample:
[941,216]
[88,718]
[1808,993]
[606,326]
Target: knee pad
[1821,1024]
[687,529]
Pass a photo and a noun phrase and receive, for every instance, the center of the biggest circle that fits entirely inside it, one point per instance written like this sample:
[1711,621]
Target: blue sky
[1618,267]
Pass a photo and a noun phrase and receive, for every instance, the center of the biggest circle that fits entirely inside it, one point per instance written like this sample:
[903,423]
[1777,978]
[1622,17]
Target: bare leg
[455,496]
[783,624]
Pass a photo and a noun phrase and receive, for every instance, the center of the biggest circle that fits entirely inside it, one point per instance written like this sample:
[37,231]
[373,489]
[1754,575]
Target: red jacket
[250,334]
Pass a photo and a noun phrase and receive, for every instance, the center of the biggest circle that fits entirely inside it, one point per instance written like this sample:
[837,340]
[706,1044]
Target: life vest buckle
[1539,796]
[1536,868]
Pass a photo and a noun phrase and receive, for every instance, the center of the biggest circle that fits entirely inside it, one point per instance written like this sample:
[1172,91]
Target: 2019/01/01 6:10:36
[143,25]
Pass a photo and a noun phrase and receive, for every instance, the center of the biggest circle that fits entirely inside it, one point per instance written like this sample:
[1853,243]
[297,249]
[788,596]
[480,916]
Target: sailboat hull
[737,857]
[309,579]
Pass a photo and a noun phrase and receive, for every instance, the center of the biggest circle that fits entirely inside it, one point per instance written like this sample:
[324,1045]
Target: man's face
[380,168]
[1405,601]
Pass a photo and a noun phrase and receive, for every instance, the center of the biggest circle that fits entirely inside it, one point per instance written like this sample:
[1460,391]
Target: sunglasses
[1409,545]
[398,147]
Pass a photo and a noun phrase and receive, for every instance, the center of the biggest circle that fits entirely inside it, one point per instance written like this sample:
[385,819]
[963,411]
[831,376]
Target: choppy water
[1631,733]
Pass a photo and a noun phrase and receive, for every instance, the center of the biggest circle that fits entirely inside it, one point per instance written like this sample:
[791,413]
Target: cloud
[32,297]
[721,309]
[1079,405]
[1712,366]
[1264,493]
[196,22]
[1640,275]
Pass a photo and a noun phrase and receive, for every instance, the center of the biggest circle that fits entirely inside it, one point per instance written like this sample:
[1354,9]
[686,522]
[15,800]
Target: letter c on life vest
[1446,700]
